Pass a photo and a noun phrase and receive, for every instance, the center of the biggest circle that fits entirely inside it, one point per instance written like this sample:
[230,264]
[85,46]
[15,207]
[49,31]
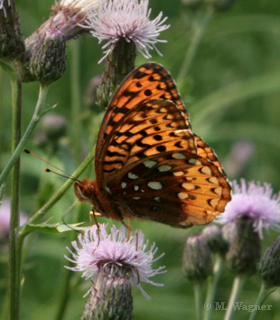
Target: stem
[263,294]
[212,286]
[198,300]
[198,29]
[14,258]
[75,100]
[35,118]
[237,286]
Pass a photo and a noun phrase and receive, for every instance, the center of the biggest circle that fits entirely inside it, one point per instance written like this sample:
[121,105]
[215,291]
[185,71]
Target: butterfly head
[85,190]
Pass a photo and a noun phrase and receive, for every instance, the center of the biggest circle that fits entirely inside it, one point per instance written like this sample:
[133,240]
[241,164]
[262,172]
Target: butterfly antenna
[67,175]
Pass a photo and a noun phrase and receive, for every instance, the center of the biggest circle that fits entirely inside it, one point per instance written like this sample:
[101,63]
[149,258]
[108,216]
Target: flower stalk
[198,300]
[265,291]
[212,284]
[236,289]
[14,250]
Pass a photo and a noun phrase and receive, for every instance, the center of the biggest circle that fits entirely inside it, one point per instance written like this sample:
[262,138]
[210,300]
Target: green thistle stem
[236,288]
[198,29]
[212,286]
[35,118]
[14,258]
[263,294]
[198,300]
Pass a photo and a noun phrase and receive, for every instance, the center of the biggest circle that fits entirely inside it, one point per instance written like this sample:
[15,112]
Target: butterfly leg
[130,230]
[92,216]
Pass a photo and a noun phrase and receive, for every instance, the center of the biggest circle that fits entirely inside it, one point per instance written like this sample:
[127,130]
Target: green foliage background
[232,94]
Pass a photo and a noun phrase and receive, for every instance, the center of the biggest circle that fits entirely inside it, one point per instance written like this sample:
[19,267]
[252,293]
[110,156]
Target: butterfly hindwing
[177,188]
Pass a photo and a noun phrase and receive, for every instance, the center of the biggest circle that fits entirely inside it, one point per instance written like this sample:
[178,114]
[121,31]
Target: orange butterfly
[148,162]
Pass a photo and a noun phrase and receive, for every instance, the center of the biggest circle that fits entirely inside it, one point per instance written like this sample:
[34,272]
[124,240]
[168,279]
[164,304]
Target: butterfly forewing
[150,128]
[175,188]
[148,82]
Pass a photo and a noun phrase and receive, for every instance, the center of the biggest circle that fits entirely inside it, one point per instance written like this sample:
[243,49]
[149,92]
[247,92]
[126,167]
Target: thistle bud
[11,38]
[269,265]
[197,261]
[109,299]
[215,240]
[48,57]
[244,246]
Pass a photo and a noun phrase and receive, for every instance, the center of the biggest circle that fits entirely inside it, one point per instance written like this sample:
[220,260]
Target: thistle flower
[255,201]
[113,257]
[126,20]
[67,17]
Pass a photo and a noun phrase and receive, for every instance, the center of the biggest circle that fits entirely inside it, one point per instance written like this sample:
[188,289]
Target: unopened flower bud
[48,57]
[244,246]
[269,265]
[215,240]
[110,298]
[197,261]
[11,38]
[54,126]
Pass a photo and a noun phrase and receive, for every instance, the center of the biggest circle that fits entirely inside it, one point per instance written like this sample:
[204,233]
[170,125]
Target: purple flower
[129,20]
[115,256]
[256,201]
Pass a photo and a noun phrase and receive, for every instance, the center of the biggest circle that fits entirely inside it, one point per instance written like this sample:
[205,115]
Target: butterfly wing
[146,151]
[150,128]
[151,157]
[207,152]
[177,188]
[148,82]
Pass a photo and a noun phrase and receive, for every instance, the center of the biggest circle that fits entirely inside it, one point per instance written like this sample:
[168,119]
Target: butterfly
[148,162]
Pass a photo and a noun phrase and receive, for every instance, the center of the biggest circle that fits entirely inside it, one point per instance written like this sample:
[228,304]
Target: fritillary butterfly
[148,162]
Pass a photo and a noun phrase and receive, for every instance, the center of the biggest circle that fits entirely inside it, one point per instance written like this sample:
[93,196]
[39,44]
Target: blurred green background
[233,97]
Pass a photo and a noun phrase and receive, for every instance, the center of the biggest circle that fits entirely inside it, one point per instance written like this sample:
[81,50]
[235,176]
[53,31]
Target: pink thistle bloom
[129,20]
[256,201]
[115,257]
